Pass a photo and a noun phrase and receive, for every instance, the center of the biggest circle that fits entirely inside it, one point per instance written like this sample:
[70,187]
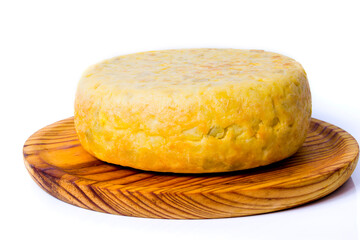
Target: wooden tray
[58,164]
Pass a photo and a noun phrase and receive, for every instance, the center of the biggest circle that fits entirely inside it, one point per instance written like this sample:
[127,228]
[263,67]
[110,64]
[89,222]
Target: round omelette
[193,110]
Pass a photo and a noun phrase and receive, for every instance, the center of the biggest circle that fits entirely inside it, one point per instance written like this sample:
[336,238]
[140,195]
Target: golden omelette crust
[193,110]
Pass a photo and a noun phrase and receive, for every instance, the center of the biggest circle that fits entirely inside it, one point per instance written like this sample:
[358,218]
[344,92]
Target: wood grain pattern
[58,164]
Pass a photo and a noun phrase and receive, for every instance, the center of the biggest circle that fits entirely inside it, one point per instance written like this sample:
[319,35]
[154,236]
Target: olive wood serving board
[59,165]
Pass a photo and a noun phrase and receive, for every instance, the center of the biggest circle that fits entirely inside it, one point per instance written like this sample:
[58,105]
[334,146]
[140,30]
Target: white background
[45,46]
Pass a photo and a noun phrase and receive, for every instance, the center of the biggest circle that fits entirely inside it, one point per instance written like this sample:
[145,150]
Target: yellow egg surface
[193,110]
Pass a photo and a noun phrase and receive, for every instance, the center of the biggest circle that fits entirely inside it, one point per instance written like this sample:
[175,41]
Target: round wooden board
[58,164]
